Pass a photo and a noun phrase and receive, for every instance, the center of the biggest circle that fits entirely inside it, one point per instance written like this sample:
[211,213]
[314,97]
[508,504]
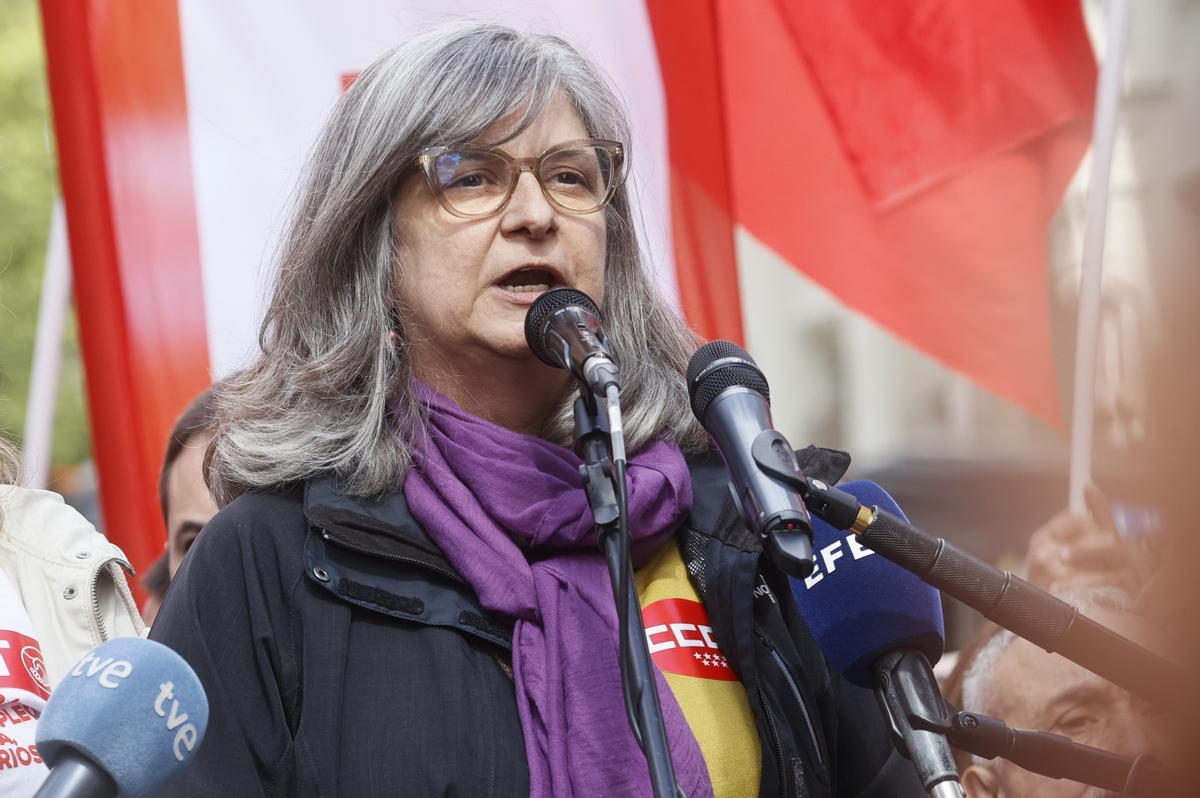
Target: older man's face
[1035,690]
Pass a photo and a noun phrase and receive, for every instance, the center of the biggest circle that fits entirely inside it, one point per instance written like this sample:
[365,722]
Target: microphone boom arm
[1054,755]
[1002,597]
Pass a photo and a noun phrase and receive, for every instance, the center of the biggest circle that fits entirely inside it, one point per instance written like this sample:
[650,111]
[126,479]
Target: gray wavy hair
[330,391]
[9,468]
[8,462]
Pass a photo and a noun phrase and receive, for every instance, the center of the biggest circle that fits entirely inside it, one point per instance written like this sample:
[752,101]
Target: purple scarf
[476,488]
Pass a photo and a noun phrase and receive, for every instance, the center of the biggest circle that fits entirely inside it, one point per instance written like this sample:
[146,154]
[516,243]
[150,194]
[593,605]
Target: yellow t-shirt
[714,702]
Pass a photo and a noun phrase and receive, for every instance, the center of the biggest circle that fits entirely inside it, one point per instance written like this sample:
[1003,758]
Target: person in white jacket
[62,593]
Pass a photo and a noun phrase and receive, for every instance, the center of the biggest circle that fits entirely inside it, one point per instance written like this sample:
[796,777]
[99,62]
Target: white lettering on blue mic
[117,670]
[857,549]
[830,555]
[186,736]
[110,670]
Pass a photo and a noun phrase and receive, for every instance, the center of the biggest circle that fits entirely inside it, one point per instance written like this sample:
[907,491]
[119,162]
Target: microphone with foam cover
[126,718]
[882,627]
[858,604]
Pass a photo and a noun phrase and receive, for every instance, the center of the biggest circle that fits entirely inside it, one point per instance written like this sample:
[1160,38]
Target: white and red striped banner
[908,161]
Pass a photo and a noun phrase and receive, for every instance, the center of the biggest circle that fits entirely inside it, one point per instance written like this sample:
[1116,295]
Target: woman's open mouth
[528,281]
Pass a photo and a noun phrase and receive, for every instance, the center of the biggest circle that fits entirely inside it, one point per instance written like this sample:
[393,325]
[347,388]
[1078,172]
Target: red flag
[127,183]
[909,156]
[701,208]
[924,90]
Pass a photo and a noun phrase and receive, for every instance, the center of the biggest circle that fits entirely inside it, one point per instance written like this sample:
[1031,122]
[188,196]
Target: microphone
[858,604]
[730,397]
[1006,599]
[882,627]
[126,718]
[563,328]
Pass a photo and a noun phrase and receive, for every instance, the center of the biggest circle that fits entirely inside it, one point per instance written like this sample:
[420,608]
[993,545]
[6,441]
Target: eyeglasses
[472,182]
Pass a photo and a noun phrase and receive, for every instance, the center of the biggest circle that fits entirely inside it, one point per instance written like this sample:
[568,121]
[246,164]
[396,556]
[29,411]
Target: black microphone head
[539,315]
[719,365]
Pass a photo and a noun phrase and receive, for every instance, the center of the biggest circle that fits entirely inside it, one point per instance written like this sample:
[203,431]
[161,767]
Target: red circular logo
[35,666]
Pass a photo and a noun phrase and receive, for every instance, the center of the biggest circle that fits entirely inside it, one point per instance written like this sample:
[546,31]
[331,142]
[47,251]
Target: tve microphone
[563,328]
[881,627]
[731,399]
[126,718]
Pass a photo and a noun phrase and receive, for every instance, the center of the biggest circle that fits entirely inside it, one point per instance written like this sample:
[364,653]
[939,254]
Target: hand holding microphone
[125,719]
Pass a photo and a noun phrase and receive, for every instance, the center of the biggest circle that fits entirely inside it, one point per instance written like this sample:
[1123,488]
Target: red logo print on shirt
[681,641]
[21,664]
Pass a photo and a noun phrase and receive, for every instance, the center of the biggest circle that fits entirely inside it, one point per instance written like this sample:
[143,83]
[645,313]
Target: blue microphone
[881,627]
[859,605]
[127,717]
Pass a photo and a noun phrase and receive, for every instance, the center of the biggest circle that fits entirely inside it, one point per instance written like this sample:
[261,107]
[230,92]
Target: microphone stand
[1052,754]
[913,705]
[604,483]
[999,596]
[1024,610]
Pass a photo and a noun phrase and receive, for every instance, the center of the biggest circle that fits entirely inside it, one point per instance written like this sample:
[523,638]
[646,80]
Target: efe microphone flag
[858,604]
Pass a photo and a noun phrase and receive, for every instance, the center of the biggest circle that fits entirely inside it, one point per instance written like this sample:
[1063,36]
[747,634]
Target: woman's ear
[979,781]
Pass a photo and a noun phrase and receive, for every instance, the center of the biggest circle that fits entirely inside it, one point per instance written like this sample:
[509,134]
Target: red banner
[116,86]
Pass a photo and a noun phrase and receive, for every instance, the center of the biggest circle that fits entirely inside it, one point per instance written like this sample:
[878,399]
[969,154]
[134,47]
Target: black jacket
[342,655]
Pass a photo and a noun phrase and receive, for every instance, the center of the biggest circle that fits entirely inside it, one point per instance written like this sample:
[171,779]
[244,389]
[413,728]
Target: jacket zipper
[94,594]
[762,698]
[812,732]
[342,543]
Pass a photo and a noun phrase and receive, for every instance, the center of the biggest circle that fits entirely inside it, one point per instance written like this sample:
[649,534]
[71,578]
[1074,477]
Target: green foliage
[27,189]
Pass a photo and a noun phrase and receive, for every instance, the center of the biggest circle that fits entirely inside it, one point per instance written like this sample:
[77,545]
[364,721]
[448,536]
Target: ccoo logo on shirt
[680,640]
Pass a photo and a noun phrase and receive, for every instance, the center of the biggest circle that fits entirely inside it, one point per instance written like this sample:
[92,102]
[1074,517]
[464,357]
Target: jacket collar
[389,524]
[326,499]
[384,525]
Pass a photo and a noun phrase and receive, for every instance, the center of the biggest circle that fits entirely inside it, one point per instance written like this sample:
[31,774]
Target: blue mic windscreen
[133,707]
[859,605]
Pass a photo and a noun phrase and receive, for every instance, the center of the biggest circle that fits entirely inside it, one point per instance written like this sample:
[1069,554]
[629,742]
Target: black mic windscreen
[719,365]
[540,312]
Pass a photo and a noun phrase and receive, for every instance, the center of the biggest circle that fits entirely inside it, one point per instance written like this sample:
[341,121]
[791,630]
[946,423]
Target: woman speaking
[403,593]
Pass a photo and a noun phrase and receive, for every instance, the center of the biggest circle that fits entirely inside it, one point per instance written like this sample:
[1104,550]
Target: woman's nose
[528,209]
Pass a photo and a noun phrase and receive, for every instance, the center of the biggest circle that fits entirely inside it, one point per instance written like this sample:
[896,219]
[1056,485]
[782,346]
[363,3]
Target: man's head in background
[1029,688]
[155,581]
[186,503]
